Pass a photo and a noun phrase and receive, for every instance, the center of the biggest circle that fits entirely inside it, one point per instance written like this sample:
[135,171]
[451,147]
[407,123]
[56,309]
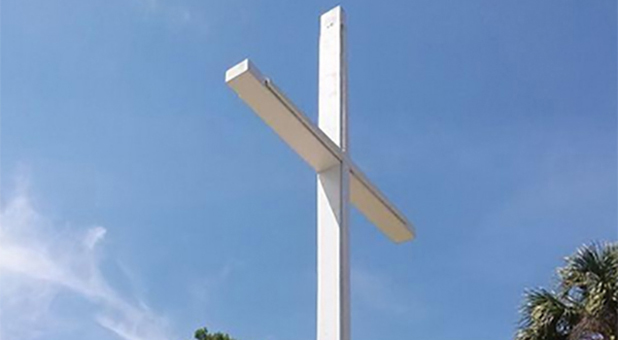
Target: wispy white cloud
[174,13]
[93,236]
[203,289]
[41,262]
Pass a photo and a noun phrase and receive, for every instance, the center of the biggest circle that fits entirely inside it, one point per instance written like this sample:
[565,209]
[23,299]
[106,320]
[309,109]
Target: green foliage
[584,305]
[202,334]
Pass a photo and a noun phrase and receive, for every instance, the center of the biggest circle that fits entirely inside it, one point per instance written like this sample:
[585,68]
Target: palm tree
[584,305]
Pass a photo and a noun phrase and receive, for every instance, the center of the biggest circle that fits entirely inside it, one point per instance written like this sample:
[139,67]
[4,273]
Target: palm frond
[545,315]
[589,265]
[591,277]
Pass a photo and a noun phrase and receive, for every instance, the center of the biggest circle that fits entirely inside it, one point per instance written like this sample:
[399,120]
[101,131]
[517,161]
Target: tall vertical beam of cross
[333,309]
[339,181]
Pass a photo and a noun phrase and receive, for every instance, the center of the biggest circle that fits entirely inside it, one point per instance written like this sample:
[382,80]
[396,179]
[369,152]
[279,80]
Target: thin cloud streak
[39,261]
[174,14]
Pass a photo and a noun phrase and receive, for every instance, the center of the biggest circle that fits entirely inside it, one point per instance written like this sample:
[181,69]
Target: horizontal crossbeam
[312,145]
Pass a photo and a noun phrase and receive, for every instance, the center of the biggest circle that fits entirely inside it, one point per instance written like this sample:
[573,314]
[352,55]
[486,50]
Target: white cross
[325,149]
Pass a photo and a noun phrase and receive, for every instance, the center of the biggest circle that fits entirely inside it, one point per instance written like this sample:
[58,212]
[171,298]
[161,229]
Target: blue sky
[141,199]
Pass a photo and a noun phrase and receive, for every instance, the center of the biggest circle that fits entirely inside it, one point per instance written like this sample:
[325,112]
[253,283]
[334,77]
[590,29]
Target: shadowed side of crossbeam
[312,145]
[376,208]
